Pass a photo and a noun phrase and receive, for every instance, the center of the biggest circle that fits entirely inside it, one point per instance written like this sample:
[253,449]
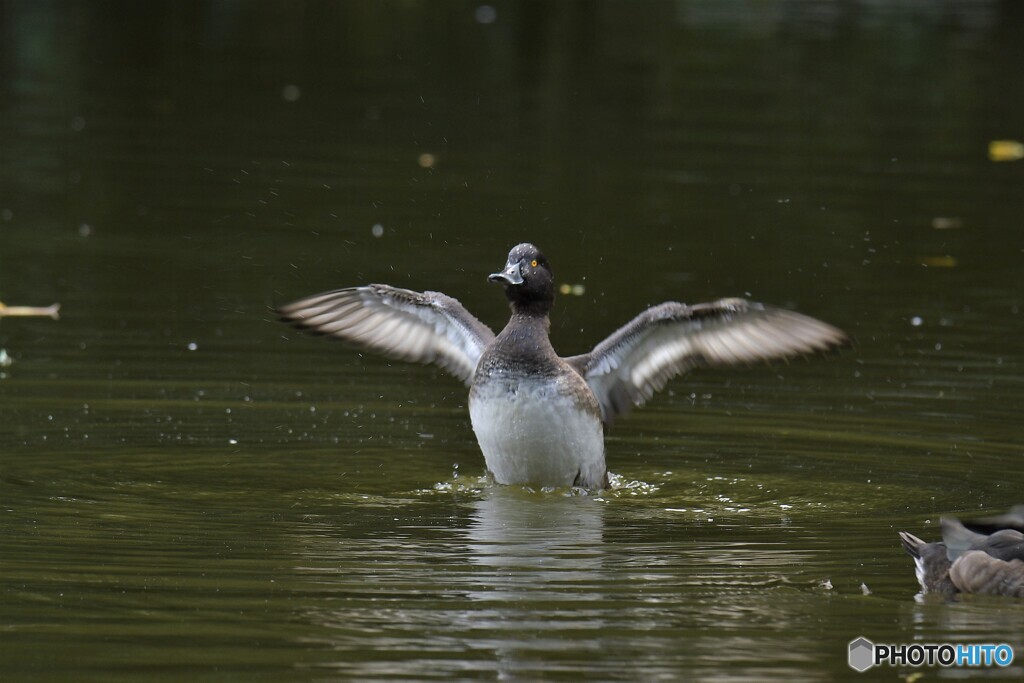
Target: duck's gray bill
[512,275]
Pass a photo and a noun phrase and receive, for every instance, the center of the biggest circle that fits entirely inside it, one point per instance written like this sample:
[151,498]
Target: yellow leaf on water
[939,261]
[1005,150]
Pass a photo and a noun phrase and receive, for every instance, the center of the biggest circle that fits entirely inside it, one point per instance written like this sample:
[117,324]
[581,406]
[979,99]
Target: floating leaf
[939,261]
[1005,150]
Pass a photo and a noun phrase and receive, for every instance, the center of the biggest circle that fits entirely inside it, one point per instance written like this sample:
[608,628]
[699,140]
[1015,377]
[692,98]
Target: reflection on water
[528,582]
[535,543]
[986,619]
[537,562]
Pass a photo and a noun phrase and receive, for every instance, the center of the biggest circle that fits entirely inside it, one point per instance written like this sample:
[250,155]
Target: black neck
[530,309]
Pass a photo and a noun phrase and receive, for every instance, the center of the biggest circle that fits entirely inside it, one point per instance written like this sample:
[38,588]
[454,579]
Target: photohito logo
[864,654]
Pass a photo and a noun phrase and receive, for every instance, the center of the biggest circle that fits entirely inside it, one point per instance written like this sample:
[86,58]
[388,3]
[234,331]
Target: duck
[966,561]
[539,418]
[1012,519]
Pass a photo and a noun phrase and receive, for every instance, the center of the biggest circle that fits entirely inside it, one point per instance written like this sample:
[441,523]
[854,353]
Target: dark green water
[190,489]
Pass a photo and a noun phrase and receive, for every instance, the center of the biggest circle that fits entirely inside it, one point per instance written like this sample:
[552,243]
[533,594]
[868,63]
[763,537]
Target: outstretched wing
[1014,519]
[426,327]
[667,340]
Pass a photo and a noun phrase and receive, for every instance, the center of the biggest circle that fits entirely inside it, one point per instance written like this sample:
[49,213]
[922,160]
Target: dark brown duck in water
[966,561]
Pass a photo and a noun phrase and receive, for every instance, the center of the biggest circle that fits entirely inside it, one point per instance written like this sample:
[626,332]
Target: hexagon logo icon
[862,654]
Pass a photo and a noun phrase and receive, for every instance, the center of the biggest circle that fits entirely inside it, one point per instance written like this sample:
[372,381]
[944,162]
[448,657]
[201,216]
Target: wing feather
[628,367]
[423,327]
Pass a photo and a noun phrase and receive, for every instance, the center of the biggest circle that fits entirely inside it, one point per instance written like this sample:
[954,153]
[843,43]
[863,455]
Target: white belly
[535,433]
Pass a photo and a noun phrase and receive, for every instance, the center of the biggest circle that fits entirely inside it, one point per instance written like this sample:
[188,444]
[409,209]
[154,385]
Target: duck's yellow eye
[533,263]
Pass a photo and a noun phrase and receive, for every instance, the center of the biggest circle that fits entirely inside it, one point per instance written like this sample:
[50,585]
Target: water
[189,488]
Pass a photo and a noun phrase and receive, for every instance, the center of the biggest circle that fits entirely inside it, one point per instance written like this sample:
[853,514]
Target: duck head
[528,280]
